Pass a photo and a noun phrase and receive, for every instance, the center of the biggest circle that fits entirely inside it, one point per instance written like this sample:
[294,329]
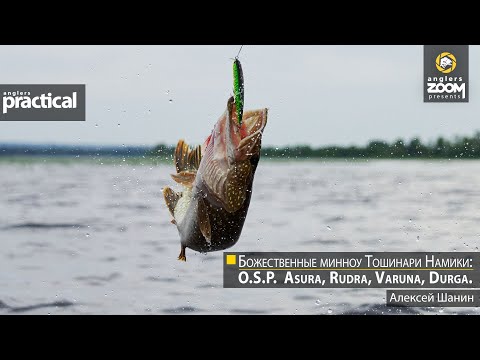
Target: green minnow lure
[238,89]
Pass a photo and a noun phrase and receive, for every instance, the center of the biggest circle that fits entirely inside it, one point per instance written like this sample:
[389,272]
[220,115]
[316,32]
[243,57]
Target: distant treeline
[72,150]
[459,147]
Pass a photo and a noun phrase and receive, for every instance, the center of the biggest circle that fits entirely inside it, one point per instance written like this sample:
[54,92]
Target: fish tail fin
[182,256]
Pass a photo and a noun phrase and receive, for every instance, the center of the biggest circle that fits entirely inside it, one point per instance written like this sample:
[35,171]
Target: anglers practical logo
[42,102]
[445,72]
[446,62]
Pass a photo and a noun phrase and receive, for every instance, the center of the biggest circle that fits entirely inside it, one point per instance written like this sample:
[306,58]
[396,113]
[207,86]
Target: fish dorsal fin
[194,158]
[181,156]
[171,199]
[203,220]
[186,178]
[187,159]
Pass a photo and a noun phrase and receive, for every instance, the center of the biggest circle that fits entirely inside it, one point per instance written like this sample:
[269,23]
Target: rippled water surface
[97,239]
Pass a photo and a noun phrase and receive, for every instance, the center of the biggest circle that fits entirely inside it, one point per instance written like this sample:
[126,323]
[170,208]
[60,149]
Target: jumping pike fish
[217,178]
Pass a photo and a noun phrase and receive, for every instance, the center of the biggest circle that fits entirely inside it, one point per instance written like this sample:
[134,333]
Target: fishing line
[236,57]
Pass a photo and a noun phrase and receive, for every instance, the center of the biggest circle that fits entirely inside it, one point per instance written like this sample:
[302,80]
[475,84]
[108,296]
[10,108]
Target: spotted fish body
[217,180]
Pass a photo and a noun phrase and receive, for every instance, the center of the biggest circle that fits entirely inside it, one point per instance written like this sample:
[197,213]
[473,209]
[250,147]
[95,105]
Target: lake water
[97,239]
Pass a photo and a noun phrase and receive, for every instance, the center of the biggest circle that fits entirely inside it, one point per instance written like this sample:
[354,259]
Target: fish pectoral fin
[204,221]
[182,256]
[186,178]
[185,158]
[171,199]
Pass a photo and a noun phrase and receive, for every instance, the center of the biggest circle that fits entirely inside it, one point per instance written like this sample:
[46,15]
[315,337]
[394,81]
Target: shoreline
[148,160]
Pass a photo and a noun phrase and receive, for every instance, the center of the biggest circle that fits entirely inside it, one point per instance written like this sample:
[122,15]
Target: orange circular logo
[446,62]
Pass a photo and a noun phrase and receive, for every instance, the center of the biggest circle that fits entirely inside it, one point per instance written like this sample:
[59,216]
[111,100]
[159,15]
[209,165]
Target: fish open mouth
[254,122]
[244,140]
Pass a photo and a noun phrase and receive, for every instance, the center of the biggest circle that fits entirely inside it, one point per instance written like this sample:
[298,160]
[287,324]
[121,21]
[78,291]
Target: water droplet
[87,235]
[409,220]
[440,310]
[170,101]
[329,228]
[318,302]
[118,124]
[108,109]
[167,92]
[418,238]
[96,125]
[329,311]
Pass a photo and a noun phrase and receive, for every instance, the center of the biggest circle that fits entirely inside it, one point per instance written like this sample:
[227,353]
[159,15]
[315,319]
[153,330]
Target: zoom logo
[445,70]
[42,102]
[446,62]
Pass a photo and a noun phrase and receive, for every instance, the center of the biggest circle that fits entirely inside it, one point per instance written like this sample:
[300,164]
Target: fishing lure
[238,88]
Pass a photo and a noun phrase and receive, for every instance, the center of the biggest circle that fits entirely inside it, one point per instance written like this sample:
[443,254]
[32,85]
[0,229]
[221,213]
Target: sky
[316,95]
